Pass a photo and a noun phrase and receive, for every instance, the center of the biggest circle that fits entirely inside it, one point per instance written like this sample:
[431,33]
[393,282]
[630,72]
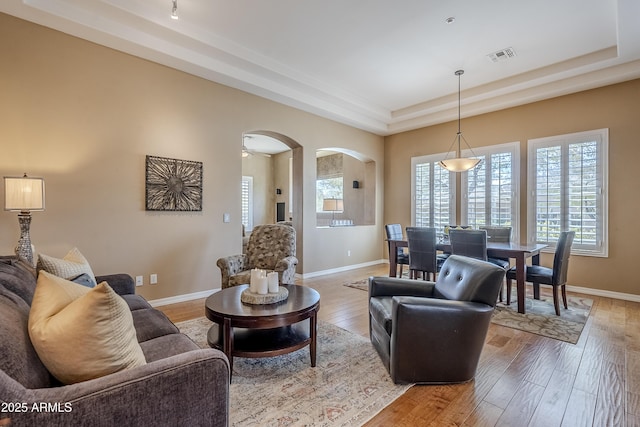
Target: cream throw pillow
[82,333]
[73,264]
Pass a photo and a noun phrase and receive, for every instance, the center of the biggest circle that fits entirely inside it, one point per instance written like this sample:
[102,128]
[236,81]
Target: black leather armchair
[433,332]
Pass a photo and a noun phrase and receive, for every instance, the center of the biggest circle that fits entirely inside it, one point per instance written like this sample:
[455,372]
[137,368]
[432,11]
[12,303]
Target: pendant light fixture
[459,163]
[174,10]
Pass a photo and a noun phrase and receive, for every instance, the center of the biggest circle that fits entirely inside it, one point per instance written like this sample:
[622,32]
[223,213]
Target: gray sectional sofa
[181,384]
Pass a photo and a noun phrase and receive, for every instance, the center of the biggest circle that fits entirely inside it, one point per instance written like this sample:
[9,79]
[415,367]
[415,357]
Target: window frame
[601,137]
[514,149]
[433,159]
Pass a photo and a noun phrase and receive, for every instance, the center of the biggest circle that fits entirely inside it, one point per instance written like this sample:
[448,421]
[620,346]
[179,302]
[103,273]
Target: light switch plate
[226,217]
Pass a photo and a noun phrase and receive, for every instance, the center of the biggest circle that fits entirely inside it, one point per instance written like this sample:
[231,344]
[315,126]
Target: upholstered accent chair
[433,333]
[271,247]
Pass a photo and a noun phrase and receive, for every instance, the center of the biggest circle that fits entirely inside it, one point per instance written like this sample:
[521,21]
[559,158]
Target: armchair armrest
[286,263]
[230,266]
[286,268]
[187,389]
[122,283]
[382,286]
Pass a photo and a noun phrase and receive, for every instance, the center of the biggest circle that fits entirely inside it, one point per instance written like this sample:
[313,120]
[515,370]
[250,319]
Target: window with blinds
[568,181]
[490,190]
[433,193]
[247,203]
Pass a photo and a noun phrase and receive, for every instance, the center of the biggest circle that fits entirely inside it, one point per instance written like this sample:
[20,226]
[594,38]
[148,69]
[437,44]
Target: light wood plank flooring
[522,380]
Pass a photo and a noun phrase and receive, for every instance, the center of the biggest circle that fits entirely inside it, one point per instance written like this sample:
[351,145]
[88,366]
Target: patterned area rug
[540,317]
[348,386]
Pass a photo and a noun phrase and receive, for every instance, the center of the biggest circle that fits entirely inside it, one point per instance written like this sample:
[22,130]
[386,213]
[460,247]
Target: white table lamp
[24,194]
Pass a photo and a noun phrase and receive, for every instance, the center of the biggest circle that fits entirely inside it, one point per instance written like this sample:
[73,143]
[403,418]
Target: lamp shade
[332,205]
[23,194]
[459,164]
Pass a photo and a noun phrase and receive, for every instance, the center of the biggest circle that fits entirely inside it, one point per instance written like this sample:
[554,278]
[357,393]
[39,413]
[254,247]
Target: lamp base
[24,250]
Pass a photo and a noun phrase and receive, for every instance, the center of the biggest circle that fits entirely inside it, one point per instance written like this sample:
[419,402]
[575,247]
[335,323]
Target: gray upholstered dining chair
[497,234]
[473,244]
[394,232]
[555,276]
[423,257]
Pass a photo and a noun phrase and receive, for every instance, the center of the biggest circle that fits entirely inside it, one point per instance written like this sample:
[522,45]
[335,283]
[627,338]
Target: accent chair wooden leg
[564,296]
[508,291]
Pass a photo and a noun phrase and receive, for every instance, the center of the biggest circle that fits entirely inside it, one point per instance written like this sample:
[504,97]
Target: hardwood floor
[522,380]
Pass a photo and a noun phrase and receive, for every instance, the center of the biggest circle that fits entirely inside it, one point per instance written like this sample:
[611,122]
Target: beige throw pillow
[82,333]
[72,265]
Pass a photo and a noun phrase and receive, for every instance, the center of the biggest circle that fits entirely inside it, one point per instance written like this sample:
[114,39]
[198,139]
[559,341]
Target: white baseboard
[604,293]
[182,298]
[203,294]
[341,269]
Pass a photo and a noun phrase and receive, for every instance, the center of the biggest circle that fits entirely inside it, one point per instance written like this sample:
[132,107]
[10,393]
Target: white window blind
[568,182]
[433,193]
[247,203]
[490,190]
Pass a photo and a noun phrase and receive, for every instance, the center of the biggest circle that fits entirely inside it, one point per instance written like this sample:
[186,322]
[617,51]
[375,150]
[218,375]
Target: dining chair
[497,234]
[555,276]
[423,257]
[473,244]
[394,232]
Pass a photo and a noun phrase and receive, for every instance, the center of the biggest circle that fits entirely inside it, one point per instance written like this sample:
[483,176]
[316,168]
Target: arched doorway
[289,193]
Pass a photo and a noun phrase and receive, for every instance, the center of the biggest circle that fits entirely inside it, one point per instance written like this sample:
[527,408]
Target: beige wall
[84,117]
[262,170]
[616,107]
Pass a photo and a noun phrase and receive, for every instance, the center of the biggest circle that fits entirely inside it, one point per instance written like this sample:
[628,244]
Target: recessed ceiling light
[450,20]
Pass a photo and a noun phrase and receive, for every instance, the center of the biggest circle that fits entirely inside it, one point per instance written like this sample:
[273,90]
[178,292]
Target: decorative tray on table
[249,297]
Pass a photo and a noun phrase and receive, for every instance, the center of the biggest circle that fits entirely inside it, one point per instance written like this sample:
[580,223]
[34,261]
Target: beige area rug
[540,317]
[348,386]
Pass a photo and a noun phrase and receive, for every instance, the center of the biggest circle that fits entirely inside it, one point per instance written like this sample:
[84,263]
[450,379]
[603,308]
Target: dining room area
[491,244]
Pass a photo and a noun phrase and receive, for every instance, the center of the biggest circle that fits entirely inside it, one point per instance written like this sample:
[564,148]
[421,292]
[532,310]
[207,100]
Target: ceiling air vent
[502,55]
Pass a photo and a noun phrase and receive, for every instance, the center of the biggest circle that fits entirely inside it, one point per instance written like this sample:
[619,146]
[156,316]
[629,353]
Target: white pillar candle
[272,278]
[253,283]
[263,285]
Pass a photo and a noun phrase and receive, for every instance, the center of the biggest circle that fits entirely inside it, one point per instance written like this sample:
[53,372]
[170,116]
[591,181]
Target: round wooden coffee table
[247,330]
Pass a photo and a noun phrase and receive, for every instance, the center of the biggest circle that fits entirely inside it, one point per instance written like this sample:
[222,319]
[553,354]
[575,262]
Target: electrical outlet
[139,281]
[153,279]
[349,253]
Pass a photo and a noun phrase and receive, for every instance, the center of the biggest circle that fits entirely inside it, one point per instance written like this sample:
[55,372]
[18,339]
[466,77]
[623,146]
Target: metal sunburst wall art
[173,185]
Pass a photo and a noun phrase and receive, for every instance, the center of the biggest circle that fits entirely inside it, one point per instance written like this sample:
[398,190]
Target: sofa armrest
[190,388]
[382,286]
[122,283]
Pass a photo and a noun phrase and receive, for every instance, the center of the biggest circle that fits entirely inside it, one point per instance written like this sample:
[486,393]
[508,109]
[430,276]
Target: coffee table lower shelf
[255,343]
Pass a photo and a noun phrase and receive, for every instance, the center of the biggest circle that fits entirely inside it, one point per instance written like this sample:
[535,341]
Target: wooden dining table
[515,251]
